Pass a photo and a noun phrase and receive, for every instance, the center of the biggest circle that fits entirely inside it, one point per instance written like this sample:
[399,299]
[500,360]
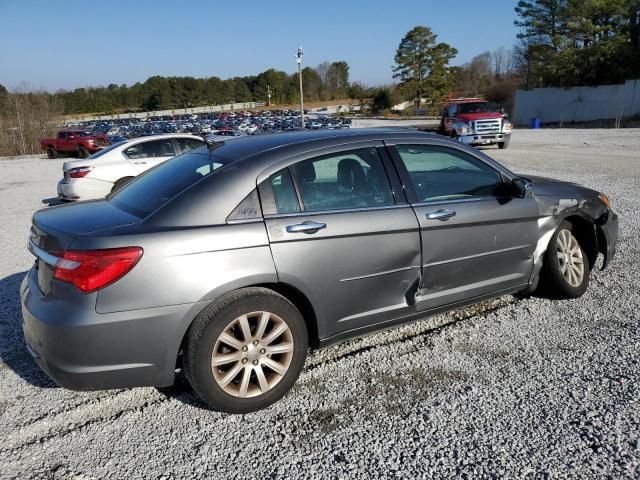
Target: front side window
[154,149]
[350,179]
[442,173]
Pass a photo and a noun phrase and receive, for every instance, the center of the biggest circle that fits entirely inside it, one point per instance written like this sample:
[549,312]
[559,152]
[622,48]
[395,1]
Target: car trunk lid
[54,229]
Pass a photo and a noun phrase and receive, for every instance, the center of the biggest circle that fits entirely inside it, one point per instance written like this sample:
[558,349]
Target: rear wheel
[120,183]
[245,351]
[566,265]
[83,152]
[51,152]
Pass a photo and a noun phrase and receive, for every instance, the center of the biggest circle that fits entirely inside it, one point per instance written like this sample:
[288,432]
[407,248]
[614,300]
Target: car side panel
[185,266]
[362,266]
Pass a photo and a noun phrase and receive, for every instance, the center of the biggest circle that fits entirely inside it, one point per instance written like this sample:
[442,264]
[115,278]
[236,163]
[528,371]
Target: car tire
[51,153]
[83,152]
[454,135]
[562,275]
[248,378]
[120,183]
[503,145]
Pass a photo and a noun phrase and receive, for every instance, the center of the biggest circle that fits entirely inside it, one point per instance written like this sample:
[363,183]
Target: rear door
[341,234]
[476,239]
[145,155]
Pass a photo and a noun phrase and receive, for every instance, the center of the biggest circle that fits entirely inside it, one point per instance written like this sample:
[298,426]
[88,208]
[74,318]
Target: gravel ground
[511,388]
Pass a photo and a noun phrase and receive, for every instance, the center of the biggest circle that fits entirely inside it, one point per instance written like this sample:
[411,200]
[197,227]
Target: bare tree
[26,117]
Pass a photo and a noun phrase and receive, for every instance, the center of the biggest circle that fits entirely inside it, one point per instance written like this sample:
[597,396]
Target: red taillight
[91,270]
[79,172]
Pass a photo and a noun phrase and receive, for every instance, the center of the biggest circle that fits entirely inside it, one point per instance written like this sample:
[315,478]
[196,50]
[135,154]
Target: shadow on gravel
[13,351]
[182,391]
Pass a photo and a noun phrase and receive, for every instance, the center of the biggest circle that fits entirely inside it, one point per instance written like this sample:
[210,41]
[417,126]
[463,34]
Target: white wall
[577,104]
[177,111]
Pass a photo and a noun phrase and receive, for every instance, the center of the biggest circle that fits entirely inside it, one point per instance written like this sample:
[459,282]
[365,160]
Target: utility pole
[299,62]
[268,95]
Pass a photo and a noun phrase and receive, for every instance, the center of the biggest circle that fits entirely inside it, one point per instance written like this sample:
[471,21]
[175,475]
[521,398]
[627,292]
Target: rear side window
[284,193]
[152,189]
[157,148]
[187,144]
[441,173]
[350,179]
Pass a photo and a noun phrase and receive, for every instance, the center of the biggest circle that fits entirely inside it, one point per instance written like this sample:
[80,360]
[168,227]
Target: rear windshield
[99,153]
[151,190]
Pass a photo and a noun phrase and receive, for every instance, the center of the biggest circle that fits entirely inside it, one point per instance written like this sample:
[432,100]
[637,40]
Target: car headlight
[507,127]
[605,200]
[464,130]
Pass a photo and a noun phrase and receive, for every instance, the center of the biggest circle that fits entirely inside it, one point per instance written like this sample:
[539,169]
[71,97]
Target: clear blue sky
[68,44]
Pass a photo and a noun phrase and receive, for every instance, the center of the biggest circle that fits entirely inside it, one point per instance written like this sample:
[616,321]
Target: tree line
[327,81]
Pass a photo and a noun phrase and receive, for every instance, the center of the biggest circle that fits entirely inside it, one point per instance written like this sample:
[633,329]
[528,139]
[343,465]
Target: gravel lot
[512,388]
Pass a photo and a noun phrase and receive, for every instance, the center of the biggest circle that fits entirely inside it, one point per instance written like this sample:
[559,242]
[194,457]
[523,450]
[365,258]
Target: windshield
[475,107]
[151,190]
[99,153]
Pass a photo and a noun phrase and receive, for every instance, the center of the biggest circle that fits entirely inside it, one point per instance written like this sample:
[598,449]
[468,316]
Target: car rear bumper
[84,350]
[485,138]
[83,188]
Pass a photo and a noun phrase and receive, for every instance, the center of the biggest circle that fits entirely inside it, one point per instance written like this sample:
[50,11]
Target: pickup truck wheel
[565,272]
[503,145]
[51,153]
[120,183]
[454,134]
[82,152]
[246,350]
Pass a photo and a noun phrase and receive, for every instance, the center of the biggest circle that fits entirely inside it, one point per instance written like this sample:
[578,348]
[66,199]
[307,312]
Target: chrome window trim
[331,212]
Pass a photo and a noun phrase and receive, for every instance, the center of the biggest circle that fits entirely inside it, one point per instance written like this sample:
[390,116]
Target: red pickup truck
[75,142]
[475,122]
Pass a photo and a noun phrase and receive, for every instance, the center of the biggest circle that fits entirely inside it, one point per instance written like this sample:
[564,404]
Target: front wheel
[503,145]
[566,265]
[245,351]
[51,153]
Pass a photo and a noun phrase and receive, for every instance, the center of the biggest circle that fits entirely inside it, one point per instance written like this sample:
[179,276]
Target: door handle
[306,227]
[441,214]
[140,163]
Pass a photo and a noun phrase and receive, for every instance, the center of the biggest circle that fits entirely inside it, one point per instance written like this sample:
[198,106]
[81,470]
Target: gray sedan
[230,261]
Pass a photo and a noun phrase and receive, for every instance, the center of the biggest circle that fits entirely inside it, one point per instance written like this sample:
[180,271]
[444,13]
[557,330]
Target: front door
[477,239]
[340,234]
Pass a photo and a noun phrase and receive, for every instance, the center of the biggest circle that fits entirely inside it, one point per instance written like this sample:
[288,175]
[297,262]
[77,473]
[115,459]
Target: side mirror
[519,187]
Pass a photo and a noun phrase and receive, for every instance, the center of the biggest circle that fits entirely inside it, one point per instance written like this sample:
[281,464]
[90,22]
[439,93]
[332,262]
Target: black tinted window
[152,189]
[350,179]
[441,173]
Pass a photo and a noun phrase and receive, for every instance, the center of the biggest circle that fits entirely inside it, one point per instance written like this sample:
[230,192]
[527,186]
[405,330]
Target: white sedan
[98,175]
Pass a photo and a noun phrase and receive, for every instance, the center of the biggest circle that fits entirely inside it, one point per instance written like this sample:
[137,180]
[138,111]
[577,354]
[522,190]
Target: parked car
[232,259]
[75,142]
[474,121]
[111,168]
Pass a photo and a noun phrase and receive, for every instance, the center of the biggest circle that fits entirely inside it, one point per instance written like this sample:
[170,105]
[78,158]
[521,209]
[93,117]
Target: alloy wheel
[252,354]
[570,258]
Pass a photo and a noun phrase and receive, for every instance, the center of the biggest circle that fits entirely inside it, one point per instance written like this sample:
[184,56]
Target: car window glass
[62,135]
[152,189]
[187,144]
[351,179]
[158,148]
[284,193]
[441,173]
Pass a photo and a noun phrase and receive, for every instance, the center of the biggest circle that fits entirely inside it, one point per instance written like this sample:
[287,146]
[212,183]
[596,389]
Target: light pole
[268,95]
[299,62]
